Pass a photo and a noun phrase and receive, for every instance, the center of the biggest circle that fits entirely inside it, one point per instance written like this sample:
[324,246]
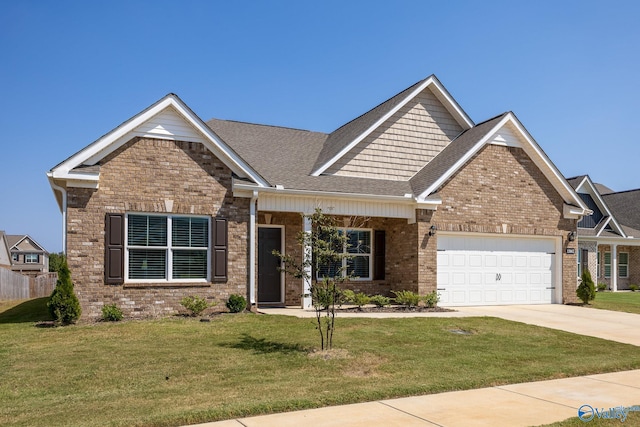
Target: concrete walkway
[527,404]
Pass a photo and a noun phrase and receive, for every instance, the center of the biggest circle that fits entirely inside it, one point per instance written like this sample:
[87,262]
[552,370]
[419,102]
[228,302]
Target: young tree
[586,289]
[56,260]
[63,303]
[327,242]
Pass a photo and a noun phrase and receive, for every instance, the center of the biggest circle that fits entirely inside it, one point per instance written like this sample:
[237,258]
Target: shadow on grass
[262,345]
[33,310]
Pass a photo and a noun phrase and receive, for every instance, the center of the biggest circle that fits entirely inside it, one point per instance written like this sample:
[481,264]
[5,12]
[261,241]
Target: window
[623,264]
[358,262]
[607,264]
[31,258]
[171,248]
[15,256]
[598,272]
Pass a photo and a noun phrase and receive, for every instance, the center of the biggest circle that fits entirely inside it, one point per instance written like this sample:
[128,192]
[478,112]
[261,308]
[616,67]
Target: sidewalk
[527,404]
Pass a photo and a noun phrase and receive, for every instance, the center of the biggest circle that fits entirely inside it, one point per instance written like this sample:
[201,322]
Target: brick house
[609,239]
[167,205]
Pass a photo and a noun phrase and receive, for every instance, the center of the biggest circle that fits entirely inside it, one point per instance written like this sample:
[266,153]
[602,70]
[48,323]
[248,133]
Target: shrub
[357,298]
[633,288]
[63,303]
[236,303]
[348,296]
[408,298]
[431,299]
[196,304]
[602,287]
[111,313]
[380,300]
[586,290]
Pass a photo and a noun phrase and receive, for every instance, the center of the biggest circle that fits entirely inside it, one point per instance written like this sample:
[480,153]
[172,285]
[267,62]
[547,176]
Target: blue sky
[73,70]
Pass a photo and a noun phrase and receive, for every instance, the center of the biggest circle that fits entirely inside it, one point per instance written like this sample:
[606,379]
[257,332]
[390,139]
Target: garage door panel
[486,270]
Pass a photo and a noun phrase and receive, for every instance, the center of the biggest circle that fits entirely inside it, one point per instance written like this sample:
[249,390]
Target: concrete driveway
[609,325]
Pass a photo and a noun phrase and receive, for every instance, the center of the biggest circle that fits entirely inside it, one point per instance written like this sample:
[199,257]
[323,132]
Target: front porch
[616,264]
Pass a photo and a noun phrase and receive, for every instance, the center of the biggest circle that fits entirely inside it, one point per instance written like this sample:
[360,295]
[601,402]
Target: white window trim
[626,275]
[27,257]
[168,248]
[344,252]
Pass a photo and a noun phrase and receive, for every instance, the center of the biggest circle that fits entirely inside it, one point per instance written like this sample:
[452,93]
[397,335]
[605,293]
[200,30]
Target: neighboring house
[167,205]
[27,256]
[5,255]
[609,239]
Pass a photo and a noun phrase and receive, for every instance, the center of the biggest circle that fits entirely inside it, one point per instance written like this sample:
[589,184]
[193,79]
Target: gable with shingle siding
[407,141]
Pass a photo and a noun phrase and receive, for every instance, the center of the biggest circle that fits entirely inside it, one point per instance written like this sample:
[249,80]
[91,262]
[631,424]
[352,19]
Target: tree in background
[56,261]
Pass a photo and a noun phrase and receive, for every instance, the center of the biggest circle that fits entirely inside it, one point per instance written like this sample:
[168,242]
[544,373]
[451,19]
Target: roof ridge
[265,125]
[620,192]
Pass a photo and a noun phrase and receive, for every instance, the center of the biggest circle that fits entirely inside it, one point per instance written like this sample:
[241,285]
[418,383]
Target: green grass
[618,301]
[632,420]
[178,371]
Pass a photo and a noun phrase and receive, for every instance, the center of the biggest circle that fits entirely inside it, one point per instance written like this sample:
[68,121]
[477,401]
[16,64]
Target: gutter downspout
[252,249]
[63,192]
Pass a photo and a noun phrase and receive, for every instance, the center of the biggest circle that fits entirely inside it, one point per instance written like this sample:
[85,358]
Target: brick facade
[500,191]
[148,176]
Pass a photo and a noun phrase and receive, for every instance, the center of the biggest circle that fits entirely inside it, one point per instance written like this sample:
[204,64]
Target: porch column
[252,249]
[306,281]
[614,267]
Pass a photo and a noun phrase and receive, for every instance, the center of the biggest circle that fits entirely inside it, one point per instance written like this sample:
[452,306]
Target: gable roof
[349,135]
[584,183]
[285,157]
[625,206]
[167,113]
[15,239]
[505,129]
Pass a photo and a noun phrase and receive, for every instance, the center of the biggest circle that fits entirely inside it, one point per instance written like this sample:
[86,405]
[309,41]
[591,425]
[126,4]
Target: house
[609,239]
[167,205]
[5,255]
[28,257]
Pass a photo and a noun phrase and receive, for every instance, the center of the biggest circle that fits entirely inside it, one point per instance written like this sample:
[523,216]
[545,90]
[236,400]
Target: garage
[486,270]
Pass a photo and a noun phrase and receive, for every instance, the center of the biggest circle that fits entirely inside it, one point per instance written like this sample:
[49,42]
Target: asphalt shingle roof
[625,206]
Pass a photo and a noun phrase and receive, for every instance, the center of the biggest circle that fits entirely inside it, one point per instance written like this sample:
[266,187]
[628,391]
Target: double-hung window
[167,248]
[623,264]
[31,258]
[356,259]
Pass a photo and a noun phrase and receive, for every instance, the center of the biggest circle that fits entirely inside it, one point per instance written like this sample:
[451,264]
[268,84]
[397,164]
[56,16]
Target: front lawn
[618,301]
[178,371]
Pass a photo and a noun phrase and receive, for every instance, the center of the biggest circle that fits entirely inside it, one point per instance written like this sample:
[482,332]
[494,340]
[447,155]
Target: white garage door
[478,270]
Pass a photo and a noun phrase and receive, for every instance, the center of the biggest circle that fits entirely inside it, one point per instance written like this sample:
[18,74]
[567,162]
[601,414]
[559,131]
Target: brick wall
[500,191]
[634,267]
[142,176]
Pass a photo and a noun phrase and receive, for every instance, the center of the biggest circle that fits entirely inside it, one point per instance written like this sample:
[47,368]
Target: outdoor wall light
[432,230]
[572,236]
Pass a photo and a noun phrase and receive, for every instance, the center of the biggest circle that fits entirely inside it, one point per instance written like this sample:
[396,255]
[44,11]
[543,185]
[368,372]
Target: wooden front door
[269,278]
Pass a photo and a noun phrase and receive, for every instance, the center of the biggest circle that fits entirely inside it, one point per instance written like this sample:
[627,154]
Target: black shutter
[379,249]
[114,249]
[220,249]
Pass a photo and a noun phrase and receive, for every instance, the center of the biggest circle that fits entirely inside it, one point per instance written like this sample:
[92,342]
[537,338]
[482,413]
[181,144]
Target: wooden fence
[15,286]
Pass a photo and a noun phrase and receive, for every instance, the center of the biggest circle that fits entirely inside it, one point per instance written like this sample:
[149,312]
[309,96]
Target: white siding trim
[586,186]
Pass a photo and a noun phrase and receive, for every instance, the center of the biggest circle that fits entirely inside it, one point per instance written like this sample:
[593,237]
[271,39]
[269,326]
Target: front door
[269,278]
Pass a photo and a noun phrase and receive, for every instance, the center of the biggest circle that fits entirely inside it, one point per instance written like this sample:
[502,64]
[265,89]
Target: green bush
[380,300]
[111,313]
[236,303]
[196,304]
[63,304]
[408,298]
[356,298]
[602,287]
[431,299]
[633,288]
[586,289]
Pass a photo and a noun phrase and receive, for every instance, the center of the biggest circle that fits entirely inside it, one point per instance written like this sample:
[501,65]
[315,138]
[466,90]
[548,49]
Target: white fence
[15,286]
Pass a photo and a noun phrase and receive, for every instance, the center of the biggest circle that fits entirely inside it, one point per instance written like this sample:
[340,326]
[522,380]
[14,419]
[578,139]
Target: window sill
[133,285]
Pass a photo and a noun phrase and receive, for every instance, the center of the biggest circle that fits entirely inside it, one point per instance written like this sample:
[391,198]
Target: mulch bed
[392,309]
